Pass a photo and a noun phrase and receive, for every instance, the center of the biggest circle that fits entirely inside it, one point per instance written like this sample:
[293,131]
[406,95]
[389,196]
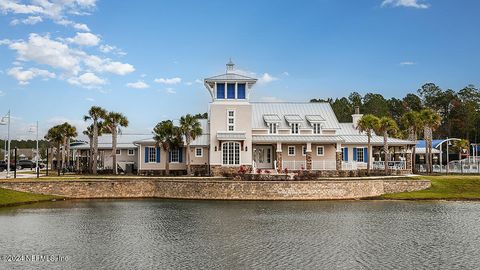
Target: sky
[147,59]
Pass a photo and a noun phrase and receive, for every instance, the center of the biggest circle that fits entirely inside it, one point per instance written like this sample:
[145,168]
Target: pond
[170,234]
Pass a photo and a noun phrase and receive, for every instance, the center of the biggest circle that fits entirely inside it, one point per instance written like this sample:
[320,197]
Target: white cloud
[107,65]
[170,91]
[198,81]
[5,41]
[81,26]
[90,99]
[138,85]
[30,20]
[267,78]
[405,3]
[105,48]
[407,63]
[189,83]
[285,73]
[2,93]
[175,80]
[87,80]
[24,76]
[85,39]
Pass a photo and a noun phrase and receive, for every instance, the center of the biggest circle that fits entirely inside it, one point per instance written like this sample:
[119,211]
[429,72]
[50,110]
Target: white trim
[294,150]
[297,128]
[323,150]
[119,152]
[230,117]
[201,151]
[128,152]
[234,143]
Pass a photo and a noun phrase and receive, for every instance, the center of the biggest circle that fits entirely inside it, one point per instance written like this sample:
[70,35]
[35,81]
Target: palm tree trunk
[59,146]
[114,150]
[90,154]
[95,147]
[385,149]
[187,156]
[68,150]
[368,153]
[63,153]
[167,161]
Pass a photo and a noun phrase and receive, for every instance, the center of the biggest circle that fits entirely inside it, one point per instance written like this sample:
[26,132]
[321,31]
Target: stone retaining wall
[219,189]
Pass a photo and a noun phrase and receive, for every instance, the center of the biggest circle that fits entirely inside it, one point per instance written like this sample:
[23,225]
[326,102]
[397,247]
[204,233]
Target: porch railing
[294,165]
[392,165]
[322,165]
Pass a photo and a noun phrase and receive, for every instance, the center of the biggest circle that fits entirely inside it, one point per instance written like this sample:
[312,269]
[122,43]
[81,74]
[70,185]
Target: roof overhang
[296,139]
[231,135]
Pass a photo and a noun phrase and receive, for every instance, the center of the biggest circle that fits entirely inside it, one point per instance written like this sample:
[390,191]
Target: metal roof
[422,150]
[375,140]
[124,141]
[202,140]
[293,118]
[231,135]
[271,118]
[314,118]
[296,138]
[230,77]
[259,109]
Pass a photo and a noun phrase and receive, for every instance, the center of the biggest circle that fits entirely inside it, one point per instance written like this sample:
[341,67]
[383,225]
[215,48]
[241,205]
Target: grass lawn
[451,187]
[11,197]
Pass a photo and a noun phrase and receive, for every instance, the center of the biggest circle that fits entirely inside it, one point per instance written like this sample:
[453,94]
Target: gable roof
[302,109]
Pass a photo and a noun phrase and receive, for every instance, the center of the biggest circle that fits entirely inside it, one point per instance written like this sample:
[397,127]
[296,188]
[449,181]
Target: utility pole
[6,121]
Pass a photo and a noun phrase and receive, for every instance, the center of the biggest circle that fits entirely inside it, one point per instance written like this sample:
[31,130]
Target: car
[3,165]
[23,164]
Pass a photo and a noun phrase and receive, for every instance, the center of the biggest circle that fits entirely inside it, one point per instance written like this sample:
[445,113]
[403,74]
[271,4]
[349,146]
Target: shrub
[286,170]
[259,171]
[242,170]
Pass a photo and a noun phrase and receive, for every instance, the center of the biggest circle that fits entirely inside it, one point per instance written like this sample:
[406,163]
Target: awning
[271,118]
[315,118]
[293,118]
[231,136]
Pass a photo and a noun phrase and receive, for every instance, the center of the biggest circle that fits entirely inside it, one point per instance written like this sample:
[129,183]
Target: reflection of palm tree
[190,128]
[386,126]
[96,114]
[113,122]
[368,123]
[167,135]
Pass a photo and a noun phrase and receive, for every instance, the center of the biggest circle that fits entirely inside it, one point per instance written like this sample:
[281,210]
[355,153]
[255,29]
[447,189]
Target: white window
[294,128]
[231,120]
[291,150]
[131,152]
[231,153]
[152,154]
[272,128]
[320,150]
[304,150]
[317,128]
[199,152]
[175,156]
[118,152]
[360,157]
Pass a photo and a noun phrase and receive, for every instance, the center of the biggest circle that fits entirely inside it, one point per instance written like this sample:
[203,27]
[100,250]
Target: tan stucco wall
[218,122]
[123,157]
[158,166]
[198,160]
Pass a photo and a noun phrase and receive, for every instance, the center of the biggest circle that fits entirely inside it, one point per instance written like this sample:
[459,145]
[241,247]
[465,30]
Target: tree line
[459,111]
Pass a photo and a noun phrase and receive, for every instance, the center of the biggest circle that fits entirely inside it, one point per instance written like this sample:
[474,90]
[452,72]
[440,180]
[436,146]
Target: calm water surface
[167,234]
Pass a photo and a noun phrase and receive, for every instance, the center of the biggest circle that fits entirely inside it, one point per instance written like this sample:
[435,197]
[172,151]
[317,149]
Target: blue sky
[146,58]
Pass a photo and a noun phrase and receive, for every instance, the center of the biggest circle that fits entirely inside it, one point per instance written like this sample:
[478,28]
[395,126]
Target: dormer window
[317,128]
[272,128]
[294,128]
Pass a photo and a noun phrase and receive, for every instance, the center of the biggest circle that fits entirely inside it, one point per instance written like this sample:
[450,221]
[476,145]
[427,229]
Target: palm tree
[413,122]
[460,146]
[431,121]
[368,123]
[167,135]
[113,122]
[54,135]
[67,131]
[96,114]
[190,128]
[386,126]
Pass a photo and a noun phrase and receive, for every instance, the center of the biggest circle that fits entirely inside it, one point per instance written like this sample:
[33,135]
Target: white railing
[452,167]
[294,165]
[322,165]
[392,165]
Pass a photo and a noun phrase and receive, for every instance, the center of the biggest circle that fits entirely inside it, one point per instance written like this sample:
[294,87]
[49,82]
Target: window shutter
[158,155]
[146,154]
[365,154]
[354,154]
[180,154]
[345,154]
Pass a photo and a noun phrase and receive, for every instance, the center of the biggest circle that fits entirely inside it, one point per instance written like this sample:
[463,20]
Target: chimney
[356,116]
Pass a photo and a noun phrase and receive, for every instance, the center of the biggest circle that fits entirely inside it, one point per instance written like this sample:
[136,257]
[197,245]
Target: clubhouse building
[268,136]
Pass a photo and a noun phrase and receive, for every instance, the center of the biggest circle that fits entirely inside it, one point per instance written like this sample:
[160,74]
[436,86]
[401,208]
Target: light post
[6,121]
[35,129]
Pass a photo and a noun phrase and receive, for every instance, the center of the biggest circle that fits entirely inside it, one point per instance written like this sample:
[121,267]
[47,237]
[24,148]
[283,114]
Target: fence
[321,165]
[392,165]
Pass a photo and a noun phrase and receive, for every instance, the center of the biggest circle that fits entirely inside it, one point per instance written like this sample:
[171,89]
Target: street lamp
[31,130]
[6,121]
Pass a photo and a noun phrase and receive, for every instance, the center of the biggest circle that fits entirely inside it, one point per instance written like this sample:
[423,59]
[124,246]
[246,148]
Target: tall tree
[368,124]
[95,114]
[190,129]
[412,102]
[55,136]
[431,121]
[385,127]
[113,122]
[412,123]
[461,146]
[167,135]
[375,104]
[68,131]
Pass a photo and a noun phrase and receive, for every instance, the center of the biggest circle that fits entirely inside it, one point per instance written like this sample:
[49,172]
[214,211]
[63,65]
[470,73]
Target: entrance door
[263,157]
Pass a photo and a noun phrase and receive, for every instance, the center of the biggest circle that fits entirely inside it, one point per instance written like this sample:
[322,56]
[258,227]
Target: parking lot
[24,173]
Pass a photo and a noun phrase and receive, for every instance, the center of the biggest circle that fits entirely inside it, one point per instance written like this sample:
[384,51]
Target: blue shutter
[241,91]
[158,154]
[354,154]
[220,91]
[180,154]
[345,154]
[146,154]
[365,155]
[231,91]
